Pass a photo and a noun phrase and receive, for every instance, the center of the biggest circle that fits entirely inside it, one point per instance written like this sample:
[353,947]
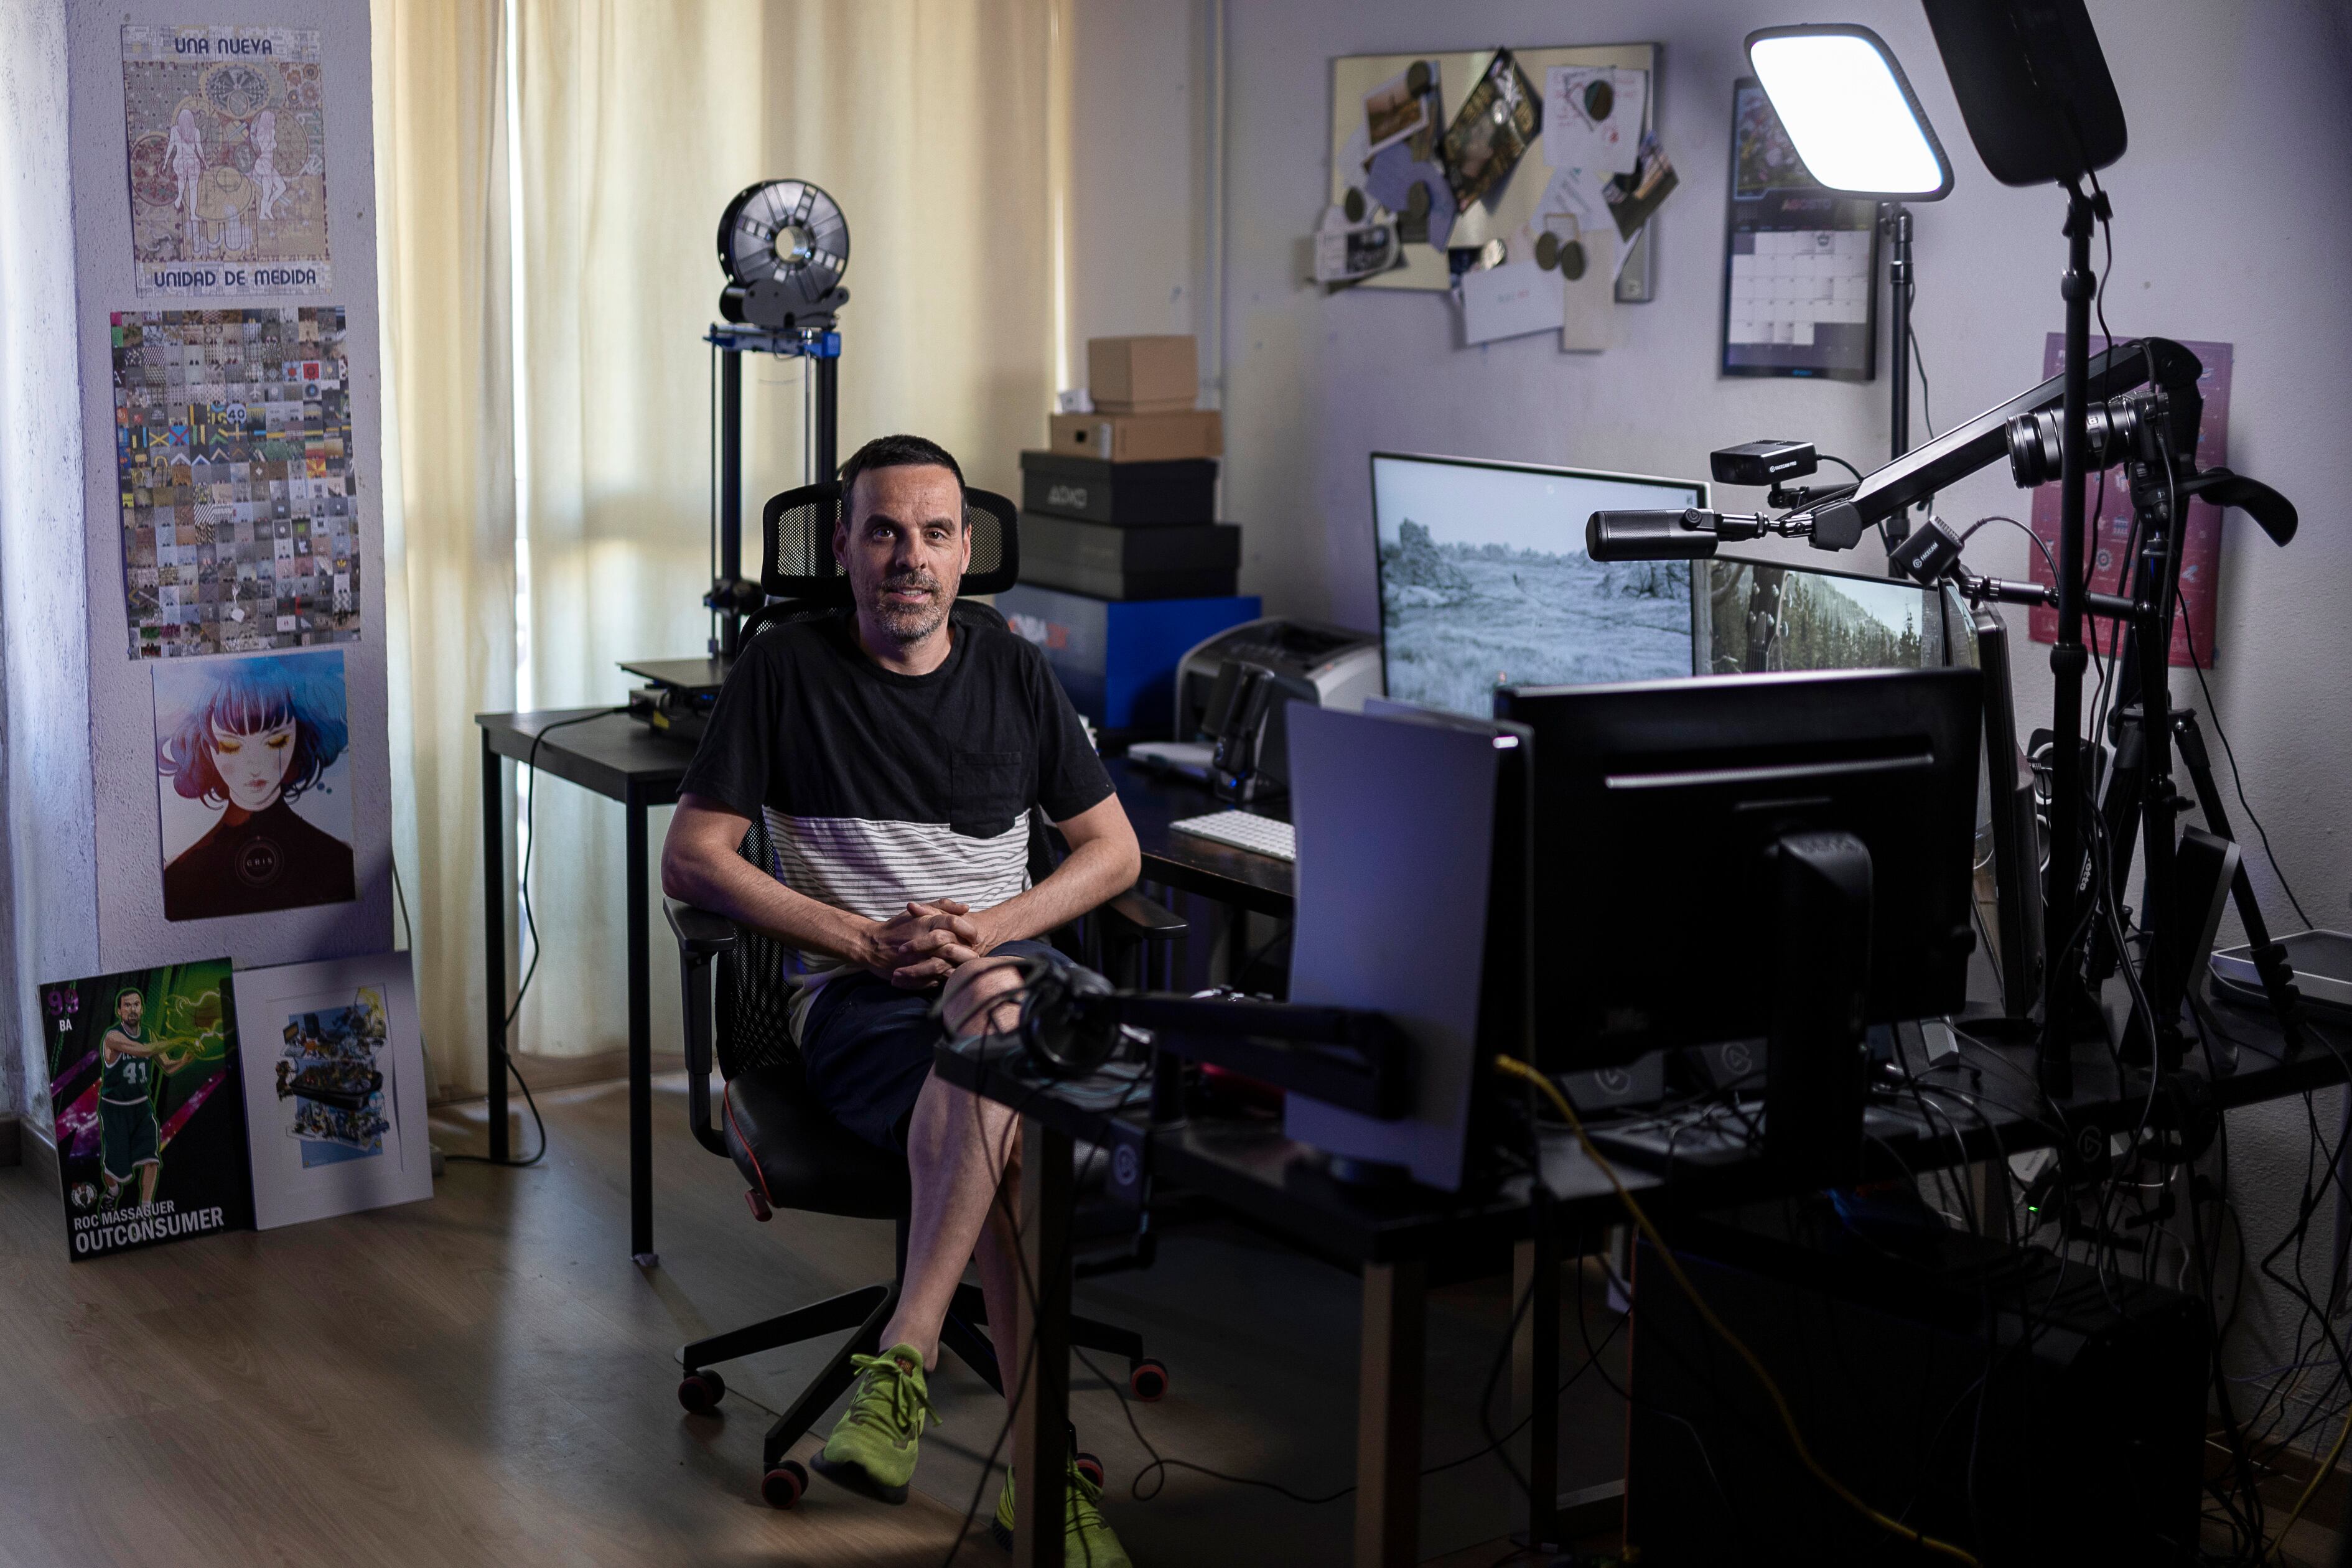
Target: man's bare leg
[960,1149]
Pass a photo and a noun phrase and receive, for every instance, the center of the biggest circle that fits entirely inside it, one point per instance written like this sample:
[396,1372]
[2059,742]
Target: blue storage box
[1117,657]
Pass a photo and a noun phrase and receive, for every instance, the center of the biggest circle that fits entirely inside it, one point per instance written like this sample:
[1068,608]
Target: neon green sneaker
[872,1449]
[1087,1538]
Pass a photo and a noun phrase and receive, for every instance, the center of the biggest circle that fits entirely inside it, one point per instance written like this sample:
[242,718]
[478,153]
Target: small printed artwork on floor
[334,1088]
[227,152]
[253,779]
[233,442]
[330,1080]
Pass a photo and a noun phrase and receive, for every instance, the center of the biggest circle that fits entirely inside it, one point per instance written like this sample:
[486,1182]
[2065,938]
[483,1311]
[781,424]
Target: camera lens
[2037,441]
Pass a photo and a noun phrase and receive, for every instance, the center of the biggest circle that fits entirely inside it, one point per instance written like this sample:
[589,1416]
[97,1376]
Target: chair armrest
[701,936]
[1150,921]
[700,930]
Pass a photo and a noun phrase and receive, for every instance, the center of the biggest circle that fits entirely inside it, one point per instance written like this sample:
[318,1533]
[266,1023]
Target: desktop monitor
[1752,614]
[1484,583]
[1658,809]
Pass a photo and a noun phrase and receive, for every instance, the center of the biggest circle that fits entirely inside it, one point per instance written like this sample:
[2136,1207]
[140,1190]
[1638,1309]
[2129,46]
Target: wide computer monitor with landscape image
[1754,613]
[1484,580]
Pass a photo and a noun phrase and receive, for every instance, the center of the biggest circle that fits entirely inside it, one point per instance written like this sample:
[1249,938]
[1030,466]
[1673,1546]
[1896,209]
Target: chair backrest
[797,528]
[752,1027]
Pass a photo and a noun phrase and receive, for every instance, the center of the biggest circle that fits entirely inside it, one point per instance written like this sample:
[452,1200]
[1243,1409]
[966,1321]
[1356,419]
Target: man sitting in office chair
[895,755]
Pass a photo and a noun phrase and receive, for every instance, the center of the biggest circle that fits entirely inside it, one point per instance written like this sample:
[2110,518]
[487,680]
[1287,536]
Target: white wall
[84,832]
[1142,202]
[131,928]
[48,919]
[2233,217]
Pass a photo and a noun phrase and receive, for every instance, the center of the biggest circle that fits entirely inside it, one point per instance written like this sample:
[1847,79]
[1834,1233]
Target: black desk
[620,759]
[1238,877]
[1397,1238]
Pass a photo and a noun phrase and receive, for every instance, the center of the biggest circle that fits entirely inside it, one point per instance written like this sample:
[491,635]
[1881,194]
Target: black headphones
[1058,1043]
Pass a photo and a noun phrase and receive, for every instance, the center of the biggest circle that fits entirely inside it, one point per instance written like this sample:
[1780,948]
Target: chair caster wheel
[782,1486]
[1147,1381]
[1090,1468]
[700,1391]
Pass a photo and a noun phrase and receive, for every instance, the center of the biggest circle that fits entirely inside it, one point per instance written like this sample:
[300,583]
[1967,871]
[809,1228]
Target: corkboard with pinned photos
[1385,93]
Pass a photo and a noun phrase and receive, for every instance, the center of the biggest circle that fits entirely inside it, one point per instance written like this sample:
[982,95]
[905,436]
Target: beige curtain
[441,201]
[636,123]
[929,120]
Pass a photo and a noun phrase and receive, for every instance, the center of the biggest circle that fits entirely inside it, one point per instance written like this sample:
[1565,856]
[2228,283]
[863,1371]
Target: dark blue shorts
[866,1046]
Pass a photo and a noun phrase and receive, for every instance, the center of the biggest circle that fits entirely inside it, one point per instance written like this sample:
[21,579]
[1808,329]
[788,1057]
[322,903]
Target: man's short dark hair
[894,452]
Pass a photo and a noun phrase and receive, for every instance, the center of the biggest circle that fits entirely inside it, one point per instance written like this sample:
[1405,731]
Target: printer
[1232,689]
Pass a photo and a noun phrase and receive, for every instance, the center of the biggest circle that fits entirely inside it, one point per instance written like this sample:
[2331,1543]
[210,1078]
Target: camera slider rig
[2142,409]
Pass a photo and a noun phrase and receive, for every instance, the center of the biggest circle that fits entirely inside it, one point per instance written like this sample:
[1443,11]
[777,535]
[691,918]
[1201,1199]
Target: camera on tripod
[2146,425]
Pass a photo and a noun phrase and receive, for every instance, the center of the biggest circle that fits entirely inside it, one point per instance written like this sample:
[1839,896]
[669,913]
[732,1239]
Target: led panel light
[1849,112]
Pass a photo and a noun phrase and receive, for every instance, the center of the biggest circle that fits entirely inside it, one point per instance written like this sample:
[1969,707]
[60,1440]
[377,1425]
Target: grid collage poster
[233,452]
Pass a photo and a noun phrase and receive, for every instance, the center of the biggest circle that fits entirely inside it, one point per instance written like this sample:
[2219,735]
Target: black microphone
[1686,535]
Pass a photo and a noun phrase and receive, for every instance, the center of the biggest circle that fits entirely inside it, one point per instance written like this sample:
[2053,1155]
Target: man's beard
[909,623]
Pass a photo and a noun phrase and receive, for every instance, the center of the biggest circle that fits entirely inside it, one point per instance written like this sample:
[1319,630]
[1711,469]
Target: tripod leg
[2269,958]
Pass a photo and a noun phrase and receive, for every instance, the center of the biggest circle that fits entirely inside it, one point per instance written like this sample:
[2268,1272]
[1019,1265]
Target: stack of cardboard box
[1123,563]
[1122,507]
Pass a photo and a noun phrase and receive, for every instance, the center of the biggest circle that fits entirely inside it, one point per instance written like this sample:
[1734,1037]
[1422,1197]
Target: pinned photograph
[1350,253]
[149,1150]
[1632,198]
[1498,122]
[334,1088]
[253,780]
[1402,107]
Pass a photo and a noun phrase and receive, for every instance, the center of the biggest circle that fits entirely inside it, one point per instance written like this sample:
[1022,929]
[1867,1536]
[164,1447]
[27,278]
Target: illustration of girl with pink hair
[256,736]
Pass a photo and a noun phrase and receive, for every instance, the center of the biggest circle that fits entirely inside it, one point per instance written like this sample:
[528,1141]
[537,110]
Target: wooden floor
[484,1378]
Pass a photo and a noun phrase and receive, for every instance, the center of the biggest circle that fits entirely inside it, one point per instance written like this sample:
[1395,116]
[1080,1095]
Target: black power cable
[531,928]
[2237,780]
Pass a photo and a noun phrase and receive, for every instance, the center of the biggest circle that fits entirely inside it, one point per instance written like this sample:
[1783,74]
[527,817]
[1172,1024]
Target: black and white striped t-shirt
[878,788]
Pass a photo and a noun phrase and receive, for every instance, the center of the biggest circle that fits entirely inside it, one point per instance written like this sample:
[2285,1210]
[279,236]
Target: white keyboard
[1244,830]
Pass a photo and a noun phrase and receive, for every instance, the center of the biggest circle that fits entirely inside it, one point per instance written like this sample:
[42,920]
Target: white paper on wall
[1509,301]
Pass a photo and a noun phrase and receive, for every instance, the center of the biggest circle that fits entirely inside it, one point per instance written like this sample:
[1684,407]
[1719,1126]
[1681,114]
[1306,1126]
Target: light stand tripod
[2062,997]
[2155,429]
[2148,730]
[1895,222]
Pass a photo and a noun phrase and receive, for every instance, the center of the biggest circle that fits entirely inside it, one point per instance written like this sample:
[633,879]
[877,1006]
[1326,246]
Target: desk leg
[1041,1443]
[494,939]
[1535,1355]
[1388,1417]
[641,1051]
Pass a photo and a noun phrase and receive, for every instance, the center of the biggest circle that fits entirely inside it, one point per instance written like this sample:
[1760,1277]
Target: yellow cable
[1516,1068]
[2327,1467]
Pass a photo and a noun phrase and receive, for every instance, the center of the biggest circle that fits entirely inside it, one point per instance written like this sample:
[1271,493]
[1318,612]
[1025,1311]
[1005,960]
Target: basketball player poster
[150,1123]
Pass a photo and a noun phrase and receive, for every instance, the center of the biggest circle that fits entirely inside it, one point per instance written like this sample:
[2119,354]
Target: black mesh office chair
[790,1150]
